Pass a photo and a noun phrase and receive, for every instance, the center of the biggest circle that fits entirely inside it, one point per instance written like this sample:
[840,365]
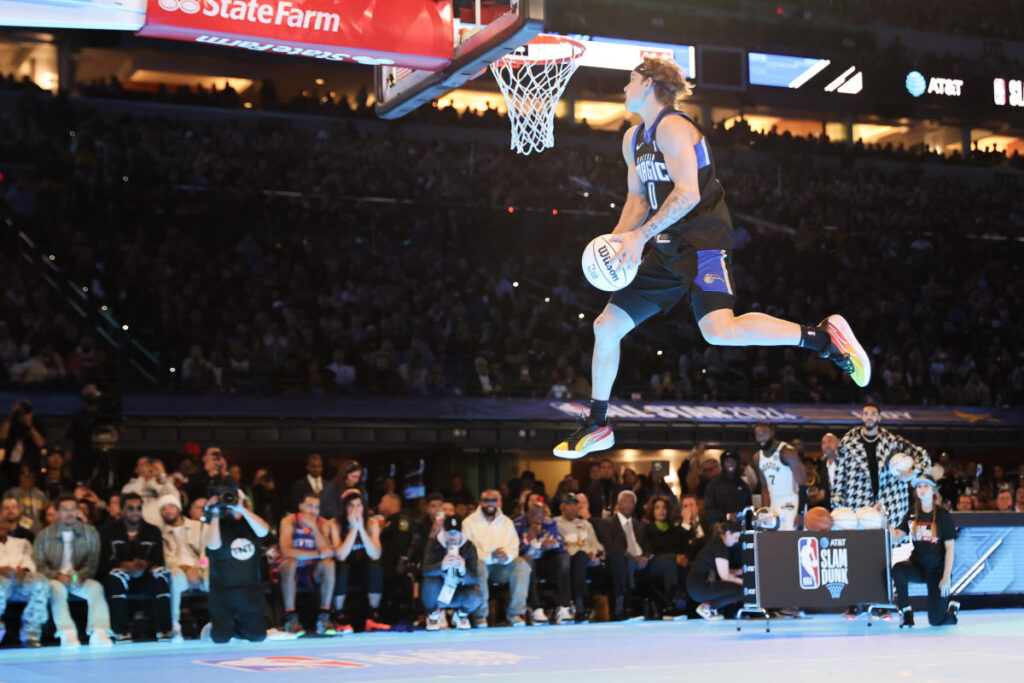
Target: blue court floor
[988,645]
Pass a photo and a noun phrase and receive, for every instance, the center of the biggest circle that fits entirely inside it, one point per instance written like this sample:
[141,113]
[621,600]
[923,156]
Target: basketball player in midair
[781,474]
[676,201]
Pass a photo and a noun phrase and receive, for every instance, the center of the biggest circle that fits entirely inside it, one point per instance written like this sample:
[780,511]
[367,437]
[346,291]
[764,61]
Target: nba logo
[810,577]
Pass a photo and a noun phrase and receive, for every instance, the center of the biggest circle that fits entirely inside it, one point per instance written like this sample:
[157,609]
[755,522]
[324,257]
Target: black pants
[578,564]
[905,572]
[552,566]
[718,595]
[154,582]
[466,598]
[661,570]
[369,574]
[621,567]
[237,612]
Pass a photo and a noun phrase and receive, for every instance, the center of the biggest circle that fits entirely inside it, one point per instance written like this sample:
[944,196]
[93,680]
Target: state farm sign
[411,33]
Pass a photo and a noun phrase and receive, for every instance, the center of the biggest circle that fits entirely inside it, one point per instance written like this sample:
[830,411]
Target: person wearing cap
[933,533]
[151,484]
[543,547]
[132,562]
[582,546]
[450,576]
[727,493]
[185,556]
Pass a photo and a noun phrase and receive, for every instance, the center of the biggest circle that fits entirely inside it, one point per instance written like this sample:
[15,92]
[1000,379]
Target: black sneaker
[952,611]
[164,636]
[907,619]
[293,626]
[852,612]
[587,438]
[845,351]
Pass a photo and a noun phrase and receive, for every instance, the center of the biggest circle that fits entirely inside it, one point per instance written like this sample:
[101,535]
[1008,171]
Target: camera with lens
[227,497]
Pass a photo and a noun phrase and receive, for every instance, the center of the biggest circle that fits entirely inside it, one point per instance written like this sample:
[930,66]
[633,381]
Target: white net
[532,79]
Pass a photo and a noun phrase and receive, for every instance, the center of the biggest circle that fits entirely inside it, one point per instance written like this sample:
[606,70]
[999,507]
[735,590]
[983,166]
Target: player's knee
[608,329]
[719,334]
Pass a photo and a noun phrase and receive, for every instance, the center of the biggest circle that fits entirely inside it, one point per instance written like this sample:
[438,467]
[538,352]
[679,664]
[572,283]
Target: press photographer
[450,576]
[232,537]
[21,442]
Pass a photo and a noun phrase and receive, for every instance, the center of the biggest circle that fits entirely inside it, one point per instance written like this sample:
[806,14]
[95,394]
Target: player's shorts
[303,572]
[662,281]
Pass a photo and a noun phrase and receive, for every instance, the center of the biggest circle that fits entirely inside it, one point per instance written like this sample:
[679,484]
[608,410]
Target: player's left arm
[792,458]
[676,139]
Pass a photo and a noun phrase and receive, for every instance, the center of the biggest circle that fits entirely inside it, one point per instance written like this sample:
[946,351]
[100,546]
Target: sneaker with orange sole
[845,351]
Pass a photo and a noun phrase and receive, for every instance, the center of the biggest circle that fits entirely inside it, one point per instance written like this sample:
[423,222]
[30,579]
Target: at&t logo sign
[917,85]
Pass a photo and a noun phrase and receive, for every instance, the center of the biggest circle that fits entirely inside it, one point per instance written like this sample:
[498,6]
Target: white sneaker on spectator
[517,621]
[564,614]
[434,620]
[99,638]
[176,635]
[462,620]
[204,635]
[539,616]
[69,639]
[705,611]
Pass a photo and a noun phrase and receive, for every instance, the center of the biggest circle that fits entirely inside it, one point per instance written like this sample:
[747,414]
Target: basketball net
[532,80]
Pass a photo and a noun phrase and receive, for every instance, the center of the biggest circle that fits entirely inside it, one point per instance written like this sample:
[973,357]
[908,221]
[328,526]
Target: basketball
[818,519]
[597,267]
[869,517]
[901,465]
[844,519]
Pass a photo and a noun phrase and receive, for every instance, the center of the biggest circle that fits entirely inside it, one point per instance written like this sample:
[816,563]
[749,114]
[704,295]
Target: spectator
[344,375]
[497,548]
[308,544]
[195,509]
[150,484]
[399,539]
[710,580]
[727,494]
[450,581]
[87,428]
[49,517]
[603,493]
[359,560]
[236,592]
[581,544]
[698,529]
[214,474]
[185,556]
[1004,501]
[265,501]
[55,483]
[627,551]
[31,500]
[543,547]
[21,441]
[132,561]
[350,476]
[19,525]
[18,581]
[584,506]
[313,482]
[483,382]
[668,544]
[965,503]
[457,492]
[67,554]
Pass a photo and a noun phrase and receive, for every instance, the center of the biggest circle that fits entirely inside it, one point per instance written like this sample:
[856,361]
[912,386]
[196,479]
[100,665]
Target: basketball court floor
[986,646]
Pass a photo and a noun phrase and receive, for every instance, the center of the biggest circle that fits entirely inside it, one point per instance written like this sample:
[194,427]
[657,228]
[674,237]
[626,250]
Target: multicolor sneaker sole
[585,440]
[843,338]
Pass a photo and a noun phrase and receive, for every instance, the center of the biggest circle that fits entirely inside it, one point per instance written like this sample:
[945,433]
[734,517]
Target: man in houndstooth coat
[854,476]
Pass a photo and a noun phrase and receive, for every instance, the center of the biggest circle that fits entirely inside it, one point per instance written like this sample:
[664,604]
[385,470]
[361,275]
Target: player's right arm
[635,211]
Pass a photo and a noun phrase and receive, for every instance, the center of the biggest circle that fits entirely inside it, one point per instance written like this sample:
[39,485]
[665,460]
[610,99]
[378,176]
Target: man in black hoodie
[450,576]
[727,493]
[132,561]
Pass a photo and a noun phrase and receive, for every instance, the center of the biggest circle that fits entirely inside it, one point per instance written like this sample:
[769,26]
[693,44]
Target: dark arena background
[293,326]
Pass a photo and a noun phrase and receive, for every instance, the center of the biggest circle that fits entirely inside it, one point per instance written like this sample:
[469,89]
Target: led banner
[808,73]
[623,55]
[119,15]
[411,33]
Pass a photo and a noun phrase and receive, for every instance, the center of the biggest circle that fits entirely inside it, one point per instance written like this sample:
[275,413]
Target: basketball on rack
[818,519]
[598,268]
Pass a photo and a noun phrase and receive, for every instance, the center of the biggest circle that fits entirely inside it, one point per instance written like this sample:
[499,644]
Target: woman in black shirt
[932,530]
[710,581]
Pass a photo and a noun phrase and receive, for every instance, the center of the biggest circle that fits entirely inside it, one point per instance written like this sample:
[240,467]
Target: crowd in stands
[617,544]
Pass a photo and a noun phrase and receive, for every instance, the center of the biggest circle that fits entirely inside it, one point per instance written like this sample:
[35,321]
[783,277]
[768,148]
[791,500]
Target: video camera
[227,497]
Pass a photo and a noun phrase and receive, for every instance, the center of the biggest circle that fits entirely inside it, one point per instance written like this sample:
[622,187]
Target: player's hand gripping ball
[599,269]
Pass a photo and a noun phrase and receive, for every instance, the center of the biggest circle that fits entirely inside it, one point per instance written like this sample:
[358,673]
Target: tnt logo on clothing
[280,663]
[810,573]
[242,549]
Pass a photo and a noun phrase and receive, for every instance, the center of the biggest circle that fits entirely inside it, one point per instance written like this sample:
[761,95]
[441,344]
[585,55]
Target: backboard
[492,31]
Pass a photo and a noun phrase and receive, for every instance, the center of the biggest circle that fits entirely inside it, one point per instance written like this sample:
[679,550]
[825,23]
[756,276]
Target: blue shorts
[662,281]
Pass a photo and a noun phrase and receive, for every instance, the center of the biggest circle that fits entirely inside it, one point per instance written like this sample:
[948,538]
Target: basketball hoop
[532,79]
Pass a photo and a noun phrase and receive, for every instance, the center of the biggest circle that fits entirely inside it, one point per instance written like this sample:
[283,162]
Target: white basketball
[844,519]
[901,465]
[869,517]
[598,269]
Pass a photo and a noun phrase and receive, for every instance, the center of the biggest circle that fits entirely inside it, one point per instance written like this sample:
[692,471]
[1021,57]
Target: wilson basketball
[598,268]
[869,517]
[818,519]
[901,465]
[844,519]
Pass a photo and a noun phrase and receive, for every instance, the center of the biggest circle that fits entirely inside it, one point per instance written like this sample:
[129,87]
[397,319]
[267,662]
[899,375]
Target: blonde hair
[670,83]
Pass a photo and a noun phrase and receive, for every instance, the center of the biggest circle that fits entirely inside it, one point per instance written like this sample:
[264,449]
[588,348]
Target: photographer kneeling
[231,536]
[450,576]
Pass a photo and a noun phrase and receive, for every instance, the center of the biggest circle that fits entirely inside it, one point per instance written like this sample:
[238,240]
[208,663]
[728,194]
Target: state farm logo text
[281,13]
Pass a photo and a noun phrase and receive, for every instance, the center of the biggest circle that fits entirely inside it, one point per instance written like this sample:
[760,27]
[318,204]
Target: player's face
[635,91]
[763,435]
[869,417]
[311,507]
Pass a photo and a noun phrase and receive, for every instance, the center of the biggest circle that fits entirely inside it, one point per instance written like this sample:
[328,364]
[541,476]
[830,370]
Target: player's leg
[713,300]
